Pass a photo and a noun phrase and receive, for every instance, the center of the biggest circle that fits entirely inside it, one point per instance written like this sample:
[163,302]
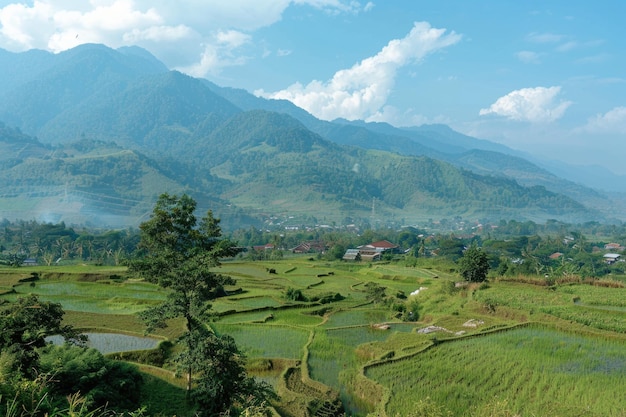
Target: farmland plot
[334,340]
[95,297]
[536,370]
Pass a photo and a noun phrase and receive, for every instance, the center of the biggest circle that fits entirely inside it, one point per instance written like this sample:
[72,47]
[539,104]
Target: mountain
[441,142]
[268,163]
[155,112]
[114,128]
[476,155]
[47,85]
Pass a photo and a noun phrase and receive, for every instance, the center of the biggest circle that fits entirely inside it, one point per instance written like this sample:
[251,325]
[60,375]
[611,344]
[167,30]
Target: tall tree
[179,253]
[474,265]
[222,380]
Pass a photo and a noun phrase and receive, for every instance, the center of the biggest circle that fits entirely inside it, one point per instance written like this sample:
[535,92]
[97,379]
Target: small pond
[112,342]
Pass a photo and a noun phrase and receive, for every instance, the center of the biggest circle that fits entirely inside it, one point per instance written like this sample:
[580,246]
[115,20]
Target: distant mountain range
[93,135]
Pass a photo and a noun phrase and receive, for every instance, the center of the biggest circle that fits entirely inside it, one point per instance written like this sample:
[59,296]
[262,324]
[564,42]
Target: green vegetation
[339,350]
[179,253]
[536,370]
[35,376]
[473,265]
[402,337]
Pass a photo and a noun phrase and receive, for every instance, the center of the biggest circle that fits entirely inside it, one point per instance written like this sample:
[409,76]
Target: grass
[266,341]
[119,323]
[572,352]
[165,393]
[94,297]
[534,369]
[592,306]
[357,317]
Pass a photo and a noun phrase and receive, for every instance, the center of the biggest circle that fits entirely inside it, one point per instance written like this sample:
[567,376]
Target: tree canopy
[474,265]
[180,253]
[25,324]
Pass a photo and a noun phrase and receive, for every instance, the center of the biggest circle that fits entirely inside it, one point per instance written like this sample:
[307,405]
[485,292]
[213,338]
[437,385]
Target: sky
[545,77]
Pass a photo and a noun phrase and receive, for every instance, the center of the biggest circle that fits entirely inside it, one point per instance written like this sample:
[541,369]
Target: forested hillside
[117,129]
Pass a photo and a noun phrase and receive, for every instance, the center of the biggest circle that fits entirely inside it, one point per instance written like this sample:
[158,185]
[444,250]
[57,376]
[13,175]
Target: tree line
[513,247]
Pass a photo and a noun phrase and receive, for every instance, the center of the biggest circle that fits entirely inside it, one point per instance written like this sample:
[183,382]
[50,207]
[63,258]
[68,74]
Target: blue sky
[546,77]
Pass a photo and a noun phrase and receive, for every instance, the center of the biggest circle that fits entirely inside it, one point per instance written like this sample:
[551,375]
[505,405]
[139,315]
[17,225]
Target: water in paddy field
[112,342]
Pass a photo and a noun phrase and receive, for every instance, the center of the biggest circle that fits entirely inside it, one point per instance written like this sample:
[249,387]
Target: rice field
[536,370]
[533,370]
[94,297]
[595,307]
[266,341]
[107,343]
[357,317]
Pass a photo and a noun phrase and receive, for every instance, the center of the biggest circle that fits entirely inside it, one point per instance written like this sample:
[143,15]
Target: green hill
[114,130]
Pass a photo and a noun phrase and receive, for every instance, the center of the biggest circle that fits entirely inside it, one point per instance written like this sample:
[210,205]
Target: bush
[448,287]
[99,380]
[294,294]
[474,265]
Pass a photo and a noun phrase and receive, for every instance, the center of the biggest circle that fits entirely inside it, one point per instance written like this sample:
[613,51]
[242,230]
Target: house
[30,262]
[352,255]
[611,258]
[371,252]
[613,247]
[382,246]
[308,247]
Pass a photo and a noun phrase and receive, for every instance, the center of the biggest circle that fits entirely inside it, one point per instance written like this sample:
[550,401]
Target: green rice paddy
[266,341]
[558,351]
[94,297]
[537,370]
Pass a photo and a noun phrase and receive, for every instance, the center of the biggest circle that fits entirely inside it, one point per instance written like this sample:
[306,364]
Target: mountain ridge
[250,156]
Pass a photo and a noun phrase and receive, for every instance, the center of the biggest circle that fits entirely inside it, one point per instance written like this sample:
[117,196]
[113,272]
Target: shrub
[99,380]
[294,294]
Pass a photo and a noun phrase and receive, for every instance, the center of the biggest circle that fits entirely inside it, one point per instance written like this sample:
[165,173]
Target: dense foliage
[49,243]
[101,382]
[473,265]
[25,324]
[179,253]
[36,378]
[553,248]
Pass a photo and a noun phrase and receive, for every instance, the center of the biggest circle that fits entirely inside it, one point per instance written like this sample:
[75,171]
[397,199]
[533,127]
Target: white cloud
[594,59]
[336,6]
[158,34]
[15,17]
[544,37]
[536,105]
[567,46]
[219,53]
[49,25]
[361,91]
[613,121]
[198,34]
[528,57]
